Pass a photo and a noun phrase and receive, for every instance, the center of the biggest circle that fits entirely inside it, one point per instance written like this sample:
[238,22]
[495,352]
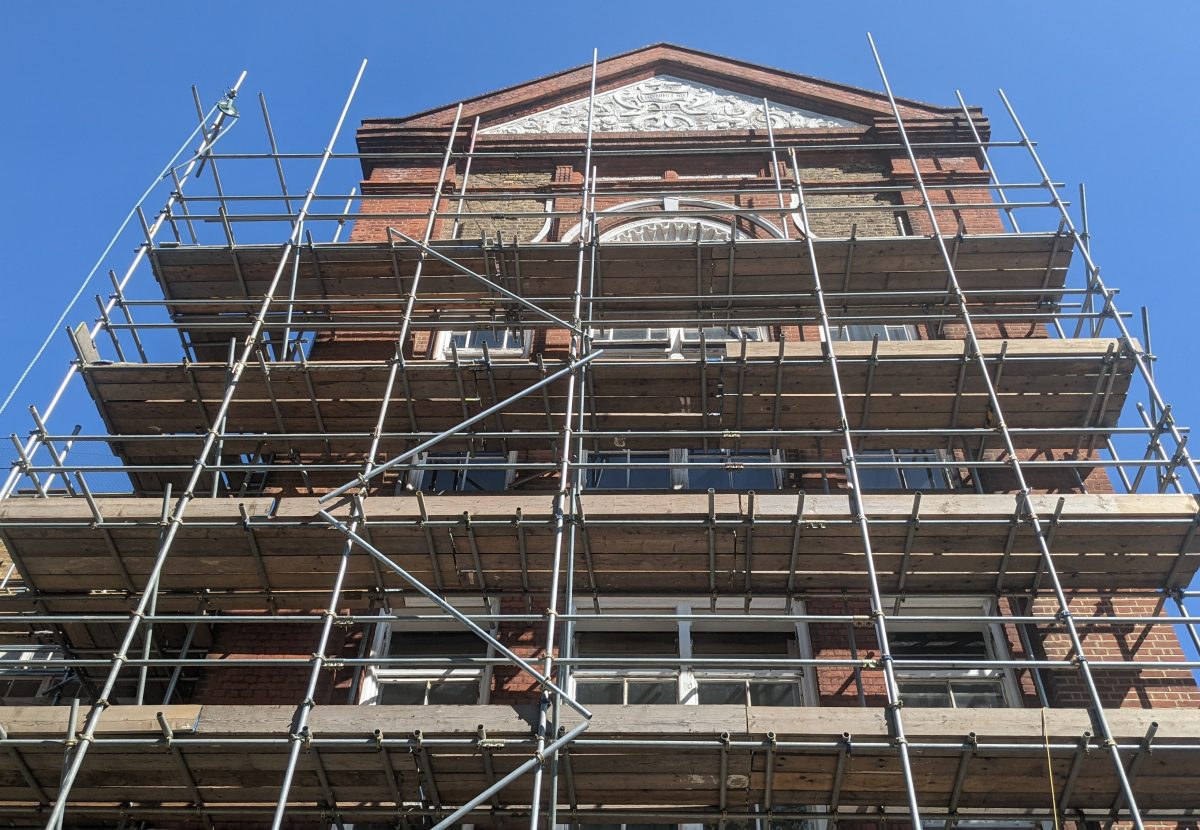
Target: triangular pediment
[665,103]
[662,88]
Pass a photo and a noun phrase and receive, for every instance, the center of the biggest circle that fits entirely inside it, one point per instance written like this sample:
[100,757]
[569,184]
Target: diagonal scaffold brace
[499,289]
[362,479]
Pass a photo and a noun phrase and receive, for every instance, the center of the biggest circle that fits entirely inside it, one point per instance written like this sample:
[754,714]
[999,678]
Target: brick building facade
[840,481]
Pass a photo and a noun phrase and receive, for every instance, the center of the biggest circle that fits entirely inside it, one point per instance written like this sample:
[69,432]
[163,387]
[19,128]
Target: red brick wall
[836,685]
[510,684]
[273,684]
[409,189]
[1127,688]
[946,171]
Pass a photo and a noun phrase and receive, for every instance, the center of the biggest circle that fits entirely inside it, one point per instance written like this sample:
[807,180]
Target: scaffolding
[130,583]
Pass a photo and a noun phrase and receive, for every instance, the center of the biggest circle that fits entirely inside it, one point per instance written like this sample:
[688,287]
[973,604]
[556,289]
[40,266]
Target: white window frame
[884,330]
[377,676]
[706,209]
[942,463]
[993,636]
[677,464]
[418,476]
[12,671]
[675,457]
[688,678]
[675,343]
[445,352]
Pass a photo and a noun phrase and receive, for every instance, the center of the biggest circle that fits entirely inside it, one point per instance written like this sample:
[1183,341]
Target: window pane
[500,339]
[484,481]
[436,644]
[598,692]
[455,472]
[922,478]
[626,643]
[622,335]
[978,695]
[652,473]
[878,478]
[774,694]
[741,643]
[791,824]
[651,691]
[491,339]
[774,824]
[868,332]
[402,694]
[731,692]
[748,477]
[454,692]
[925,694]
[704,478]
[656,478]
[603,477]
[634,336]
[753,478]
[939,645]
[723,334]
[440,480]
[20,688]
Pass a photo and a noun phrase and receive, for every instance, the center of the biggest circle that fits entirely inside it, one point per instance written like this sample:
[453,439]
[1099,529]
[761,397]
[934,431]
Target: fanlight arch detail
[644,229]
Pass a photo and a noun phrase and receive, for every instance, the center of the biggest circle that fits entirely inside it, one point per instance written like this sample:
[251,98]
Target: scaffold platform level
[630,757]
[922,386]
[636,543]
[278,376]
[985,262]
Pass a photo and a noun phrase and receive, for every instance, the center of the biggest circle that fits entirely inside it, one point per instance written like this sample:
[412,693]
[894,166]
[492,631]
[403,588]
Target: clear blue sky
[96,100]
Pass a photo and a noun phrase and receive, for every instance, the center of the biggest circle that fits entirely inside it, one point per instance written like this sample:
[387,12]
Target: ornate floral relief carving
[670,230]
[664,103]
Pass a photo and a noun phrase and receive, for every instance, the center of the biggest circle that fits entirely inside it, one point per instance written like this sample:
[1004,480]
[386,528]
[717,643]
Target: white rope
[103,256]
[1050,771]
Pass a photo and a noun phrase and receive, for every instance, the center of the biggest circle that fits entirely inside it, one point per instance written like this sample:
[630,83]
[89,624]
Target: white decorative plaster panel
[664,103]
[670,230]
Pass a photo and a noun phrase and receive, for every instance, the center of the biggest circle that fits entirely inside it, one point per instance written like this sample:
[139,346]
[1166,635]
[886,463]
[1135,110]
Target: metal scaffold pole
[859,512]
[75,759]
[564,499]
[626,451]
[1025,505]
[210,138]
[1109,308]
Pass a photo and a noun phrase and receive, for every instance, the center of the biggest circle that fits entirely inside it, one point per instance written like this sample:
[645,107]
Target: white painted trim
[544,231]
[994,637]
[676,204]
[687,678]
[664,103]
[375,676]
